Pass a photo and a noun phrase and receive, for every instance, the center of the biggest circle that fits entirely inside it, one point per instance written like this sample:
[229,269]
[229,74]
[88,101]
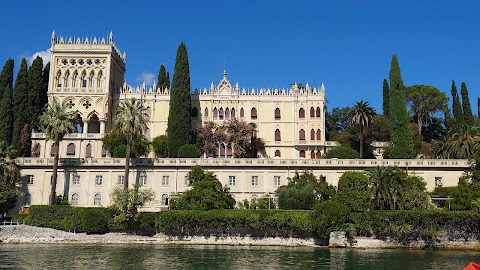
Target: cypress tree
[44,93]
[6,76]
[456,106]
[386,102]
[162,78]
[401,138]
[20,110]
[6,115]
[467,109]
[179,114]
[35,87]
[168,79]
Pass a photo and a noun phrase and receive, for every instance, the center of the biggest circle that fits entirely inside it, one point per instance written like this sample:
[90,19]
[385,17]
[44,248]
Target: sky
[347,45]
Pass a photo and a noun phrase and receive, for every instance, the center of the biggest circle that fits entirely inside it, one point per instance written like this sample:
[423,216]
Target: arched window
[312,112]
[253,113]
[68,79]
[233,113]
[92,80]
[319,135]
[302,154]
[59,79]
[317,112]
[84,80]
[312,135]
[194,112]
[28,199]
[227,113]
[277,135]
[104,152]
[319,155]
[100,80]
[53,149]
[301,113]
[206,112]
[71,149]
[148,112]
[277,153]
[97,199]
[38,147]
[242,112]
[215,113]
[74,200]
[301,134]
[164,199]
[76,80]
[312,154]
[88,151]
[220,114]
[277,114]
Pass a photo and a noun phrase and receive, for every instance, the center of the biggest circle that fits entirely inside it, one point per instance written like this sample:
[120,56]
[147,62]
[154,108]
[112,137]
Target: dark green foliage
[255,223]
[189,151]
[163,81]
[6,115]
[179,115]
[329,216]
[6,76]
[61,200]
[94,221]
[8,198]
[342,152]
[20,110]
[303,190]
[147,222]
[354,191]
[207,193]
[401,138]
[120,151]
[35,88]
[467,109]
[160,146]
[386,97]
[115,139]
[337,120]
[18,217]
[380,131]
[46,78]
[65,217]
[458,118]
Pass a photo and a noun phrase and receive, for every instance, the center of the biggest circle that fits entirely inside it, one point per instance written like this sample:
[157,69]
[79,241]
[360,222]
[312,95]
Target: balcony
[84,136]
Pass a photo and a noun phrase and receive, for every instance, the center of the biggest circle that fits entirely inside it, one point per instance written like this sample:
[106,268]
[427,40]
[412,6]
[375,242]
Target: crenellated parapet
[89,41]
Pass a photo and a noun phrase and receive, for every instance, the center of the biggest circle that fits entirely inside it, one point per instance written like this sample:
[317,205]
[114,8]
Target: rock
[338,240]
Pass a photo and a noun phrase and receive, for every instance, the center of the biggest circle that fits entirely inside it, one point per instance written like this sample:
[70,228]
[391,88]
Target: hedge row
[262,223]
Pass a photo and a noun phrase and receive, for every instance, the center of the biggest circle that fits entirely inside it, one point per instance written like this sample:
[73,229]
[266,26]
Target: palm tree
[131,121]
[385,188]
[56,123]
[9,170]
[361,116]
[463,143]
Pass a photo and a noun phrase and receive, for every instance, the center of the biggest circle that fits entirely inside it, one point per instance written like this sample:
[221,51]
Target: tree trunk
[53,189]
[420,124]
[127,165]
[361,145]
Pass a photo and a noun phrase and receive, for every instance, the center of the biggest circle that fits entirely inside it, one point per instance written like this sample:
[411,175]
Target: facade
[88,75]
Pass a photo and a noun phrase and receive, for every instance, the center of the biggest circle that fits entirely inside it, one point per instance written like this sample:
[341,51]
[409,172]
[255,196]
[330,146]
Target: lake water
[147,256]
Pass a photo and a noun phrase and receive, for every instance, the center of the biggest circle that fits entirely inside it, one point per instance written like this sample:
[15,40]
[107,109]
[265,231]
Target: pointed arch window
[59,79]
[233,113]
[312,154]
[77,80]
[220,114]
[227,113]
[68,79]
[312,112]
[92,80]
[319,135]
[84,80]
[148,112]
[242,112]
[88,151]
[215,113]
[301,113]
[253,113]
[301,154]
[38,148]
[278,153]
[53,149]
[277,135]
[317,112]
[71,149]
[319,155]
[312,135]
[277,114]
[301,134]
[206,112]
[100,80]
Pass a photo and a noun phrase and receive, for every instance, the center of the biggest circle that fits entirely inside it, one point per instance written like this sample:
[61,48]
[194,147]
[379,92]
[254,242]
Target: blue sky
[346,44]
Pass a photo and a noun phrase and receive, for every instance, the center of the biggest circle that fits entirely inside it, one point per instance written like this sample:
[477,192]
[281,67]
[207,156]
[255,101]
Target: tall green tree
[6,115]
[9,170]
[425,102]
[386,97]
[56,122]
[385,188]
[35,88]
[20,95]
[456,106]
[401,138]
[354,191]
[361,116]
[46,79]
[163,81]
[179,116]
[131,121]
[467,108]
[6,76]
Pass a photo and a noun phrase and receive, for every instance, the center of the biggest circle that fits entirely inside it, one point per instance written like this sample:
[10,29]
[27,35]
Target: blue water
[146,256]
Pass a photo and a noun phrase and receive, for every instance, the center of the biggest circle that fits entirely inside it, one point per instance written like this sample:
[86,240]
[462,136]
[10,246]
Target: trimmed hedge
[262,223]
[68,218]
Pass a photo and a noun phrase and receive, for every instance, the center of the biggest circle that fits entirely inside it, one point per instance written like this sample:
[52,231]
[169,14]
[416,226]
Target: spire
[53,37]
[224,73]
[110,37]
[322,88]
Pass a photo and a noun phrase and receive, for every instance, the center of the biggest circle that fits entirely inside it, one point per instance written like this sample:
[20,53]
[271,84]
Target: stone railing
[233,162]
[88,136]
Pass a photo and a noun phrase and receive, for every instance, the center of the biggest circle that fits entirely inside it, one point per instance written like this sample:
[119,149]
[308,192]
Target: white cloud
[45,55]
[148,78]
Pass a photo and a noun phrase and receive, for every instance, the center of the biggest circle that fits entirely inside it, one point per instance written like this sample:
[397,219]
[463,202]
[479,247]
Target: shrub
[160,146]
[342,152]
[18,217]
[94,221]
[354,192]
[329,216]
[120,151]
[189,151]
